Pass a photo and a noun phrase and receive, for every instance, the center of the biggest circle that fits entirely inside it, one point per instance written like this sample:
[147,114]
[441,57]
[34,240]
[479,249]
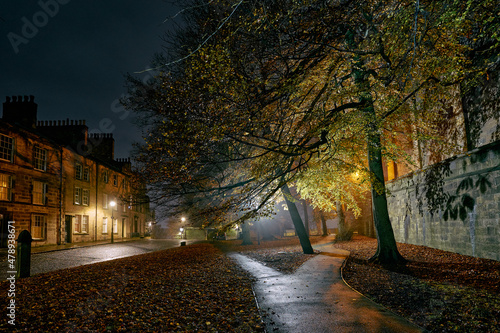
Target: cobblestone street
[54,260]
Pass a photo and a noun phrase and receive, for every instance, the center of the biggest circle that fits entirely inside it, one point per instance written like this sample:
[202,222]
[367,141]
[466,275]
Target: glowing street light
[112,204]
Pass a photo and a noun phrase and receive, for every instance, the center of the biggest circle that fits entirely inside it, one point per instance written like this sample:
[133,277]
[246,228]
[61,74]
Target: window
[6,148]
[5,187]
[78,223]
[78,196]
[78,171]
[105,201]
[105,176]
[115,226]
[105,225]
[115,180]
[40,158]
[86,173]
[124,209]
[124,184]
[38,223]
[39,193]
[85,224]
[85,197]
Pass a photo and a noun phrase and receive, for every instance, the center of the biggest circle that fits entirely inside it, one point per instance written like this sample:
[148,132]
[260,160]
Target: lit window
[105,201]
[105,225]
[40,158]
[5,187]
[85,223]
[85,197]
[115,226]
[78,196]
[39,193]
[6,148]
[38,223]
[78,171]
[78,223]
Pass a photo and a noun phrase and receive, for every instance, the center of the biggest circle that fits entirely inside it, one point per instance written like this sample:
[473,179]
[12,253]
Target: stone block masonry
[453,205]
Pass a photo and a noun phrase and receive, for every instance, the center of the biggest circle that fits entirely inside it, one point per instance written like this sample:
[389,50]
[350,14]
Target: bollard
[183,243]
[23,260]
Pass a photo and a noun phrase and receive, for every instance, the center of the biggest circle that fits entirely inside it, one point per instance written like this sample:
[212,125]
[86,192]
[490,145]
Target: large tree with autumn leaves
[260,94]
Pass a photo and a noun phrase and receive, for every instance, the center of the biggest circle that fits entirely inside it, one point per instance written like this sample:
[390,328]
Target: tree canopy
[256,95]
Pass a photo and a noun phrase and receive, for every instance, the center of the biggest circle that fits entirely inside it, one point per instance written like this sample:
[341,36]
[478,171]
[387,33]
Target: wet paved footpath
[59,257]
[316,299]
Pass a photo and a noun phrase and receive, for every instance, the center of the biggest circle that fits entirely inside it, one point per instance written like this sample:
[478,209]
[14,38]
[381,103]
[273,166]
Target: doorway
[68,224]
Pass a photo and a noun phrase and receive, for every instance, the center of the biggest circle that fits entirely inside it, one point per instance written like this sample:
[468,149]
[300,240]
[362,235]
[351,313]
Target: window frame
[40,158]
[85,224]
[42,194]
[5,150]
[86,173]
[77,228]
[10,184]
[42,228]
[85,197]
[104,225]
[77,196]
[78,171]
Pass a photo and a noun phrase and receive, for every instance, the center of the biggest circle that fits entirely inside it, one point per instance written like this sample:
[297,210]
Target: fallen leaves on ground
[186,289]
[438,290]
[284,255]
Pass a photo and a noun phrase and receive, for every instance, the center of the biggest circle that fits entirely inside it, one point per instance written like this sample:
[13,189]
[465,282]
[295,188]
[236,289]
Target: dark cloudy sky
[72,56]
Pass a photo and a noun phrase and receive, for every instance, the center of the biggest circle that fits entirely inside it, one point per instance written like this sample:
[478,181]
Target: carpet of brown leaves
[188,289]
[284,255]
[438,290]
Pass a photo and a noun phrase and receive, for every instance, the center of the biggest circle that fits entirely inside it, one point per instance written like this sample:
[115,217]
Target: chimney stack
[21,111]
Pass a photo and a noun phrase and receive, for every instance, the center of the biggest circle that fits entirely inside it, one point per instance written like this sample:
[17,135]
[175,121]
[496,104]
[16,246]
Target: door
[68,222]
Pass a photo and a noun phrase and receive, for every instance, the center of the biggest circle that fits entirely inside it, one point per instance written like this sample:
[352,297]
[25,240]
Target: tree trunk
[245,233]
[306,217]
[344,233]
[323,223]
[387,251]
[297,221]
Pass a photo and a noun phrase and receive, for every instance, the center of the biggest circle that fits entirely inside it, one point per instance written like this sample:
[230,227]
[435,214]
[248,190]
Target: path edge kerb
[344,263]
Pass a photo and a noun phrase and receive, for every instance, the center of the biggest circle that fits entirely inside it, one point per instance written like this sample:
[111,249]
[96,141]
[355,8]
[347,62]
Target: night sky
[75,58]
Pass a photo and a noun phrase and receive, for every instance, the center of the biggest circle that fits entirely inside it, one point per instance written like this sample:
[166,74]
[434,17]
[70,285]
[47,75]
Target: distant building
[58,181]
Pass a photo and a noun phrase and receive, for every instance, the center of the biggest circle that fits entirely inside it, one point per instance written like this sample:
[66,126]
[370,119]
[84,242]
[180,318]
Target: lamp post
[112,204]
[183,220]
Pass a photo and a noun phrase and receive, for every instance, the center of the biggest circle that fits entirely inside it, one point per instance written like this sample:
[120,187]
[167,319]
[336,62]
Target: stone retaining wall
[453,205]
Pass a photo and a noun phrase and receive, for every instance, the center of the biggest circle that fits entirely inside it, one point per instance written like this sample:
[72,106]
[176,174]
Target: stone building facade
[454,204]
[58,181]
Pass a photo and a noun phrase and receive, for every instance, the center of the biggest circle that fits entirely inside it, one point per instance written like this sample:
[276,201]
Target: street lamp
[112,204]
